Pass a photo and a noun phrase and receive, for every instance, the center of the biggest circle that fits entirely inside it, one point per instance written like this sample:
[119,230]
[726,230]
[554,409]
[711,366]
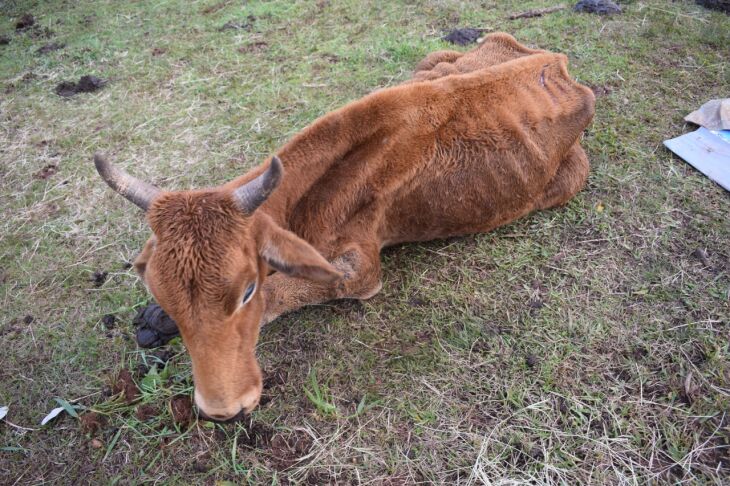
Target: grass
[586,344]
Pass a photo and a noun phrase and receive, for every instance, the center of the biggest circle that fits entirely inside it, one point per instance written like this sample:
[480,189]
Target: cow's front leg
[360,265]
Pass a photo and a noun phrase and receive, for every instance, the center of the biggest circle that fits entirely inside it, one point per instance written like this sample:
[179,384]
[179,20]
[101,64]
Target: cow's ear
[140,263]
[291,255]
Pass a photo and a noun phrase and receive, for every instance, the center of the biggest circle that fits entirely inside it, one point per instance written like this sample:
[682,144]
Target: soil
[182,410]
[109,321]
[599,7]
[99,277]
[24,22]
[286,450]
[86,84]
[463,37]
[158,51]
[28,319]
[91,423]
[531,361]
[719,5]
[50,47]
[701,255]
[4,40]
[146,412]
[125,384]
[257,436]
[46,172]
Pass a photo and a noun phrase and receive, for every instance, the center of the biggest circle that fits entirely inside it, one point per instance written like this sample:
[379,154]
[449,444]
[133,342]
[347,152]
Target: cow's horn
[253,194]
[139,192]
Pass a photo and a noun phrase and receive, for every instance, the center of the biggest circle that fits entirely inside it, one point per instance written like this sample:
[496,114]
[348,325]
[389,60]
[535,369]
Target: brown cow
[439,156]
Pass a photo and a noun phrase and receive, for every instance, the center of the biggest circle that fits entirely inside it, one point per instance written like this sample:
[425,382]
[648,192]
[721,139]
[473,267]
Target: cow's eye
[248,294]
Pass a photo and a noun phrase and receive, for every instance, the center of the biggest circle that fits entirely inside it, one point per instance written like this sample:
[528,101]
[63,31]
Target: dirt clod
[28,319]
[531,361]
[91,423]
[599,7]
[701,255]
[46,172]
[4,40]
[146,412]
[182,410]
[124,383]
[99,277]
[24,22]
[158,51]
[50,47]
[86,84]
[463,37]
[109,321]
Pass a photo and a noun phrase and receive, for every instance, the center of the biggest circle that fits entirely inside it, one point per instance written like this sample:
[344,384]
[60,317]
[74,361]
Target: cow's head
[205,263]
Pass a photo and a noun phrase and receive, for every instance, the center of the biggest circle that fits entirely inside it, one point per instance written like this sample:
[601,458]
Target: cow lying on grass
[473,142]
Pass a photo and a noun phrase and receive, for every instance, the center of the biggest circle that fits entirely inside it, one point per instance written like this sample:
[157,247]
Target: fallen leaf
[53,414]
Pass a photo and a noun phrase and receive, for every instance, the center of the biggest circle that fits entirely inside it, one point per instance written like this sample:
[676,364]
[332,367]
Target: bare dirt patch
[46,172]
[182,410]
[146,412]
[124,383]
[91,423]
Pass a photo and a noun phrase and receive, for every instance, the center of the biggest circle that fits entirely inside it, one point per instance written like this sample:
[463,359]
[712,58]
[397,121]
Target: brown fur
[473,142]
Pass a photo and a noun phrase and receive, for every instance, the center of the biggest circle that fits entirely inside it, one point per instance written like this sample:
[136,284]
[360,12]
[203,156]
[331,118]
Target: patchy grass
[588,344]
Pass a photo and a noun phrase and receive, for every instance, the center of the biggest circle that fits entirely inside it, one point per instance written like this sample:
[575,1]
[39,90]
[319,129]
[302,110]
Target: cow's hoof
[154,327]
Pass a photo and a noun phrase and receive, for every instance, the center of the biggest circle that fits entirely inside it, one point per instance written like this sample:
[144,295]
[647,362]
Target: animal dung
[154,327]
[599,7]
[86,84]
[463,37]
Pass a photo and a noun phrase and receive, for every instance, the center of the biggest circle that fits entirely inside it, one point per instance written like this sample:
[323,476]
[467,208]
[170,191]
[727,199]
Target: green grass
[586,344]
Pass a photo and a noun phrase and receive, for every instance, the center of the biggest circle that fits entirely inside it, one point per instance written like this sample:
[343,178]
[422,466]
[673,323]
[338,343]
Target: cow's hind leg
[568,180]
[360,265]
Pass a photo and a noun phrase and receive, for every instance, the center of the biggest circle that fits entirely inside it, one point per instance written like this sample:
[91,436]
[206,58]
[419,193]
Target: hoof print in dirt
[600,7]
[463,37]
[86,84]
[154,327]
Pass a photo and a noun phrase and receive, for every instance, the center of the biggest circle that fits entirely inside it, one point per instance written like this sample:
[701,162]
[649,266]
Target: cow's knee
[360,266]
[568,180]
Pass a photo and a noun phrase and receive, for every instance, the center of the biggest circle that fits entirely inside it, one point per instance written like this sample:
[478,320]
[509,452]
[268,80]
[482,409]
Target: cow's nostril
[215,417]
